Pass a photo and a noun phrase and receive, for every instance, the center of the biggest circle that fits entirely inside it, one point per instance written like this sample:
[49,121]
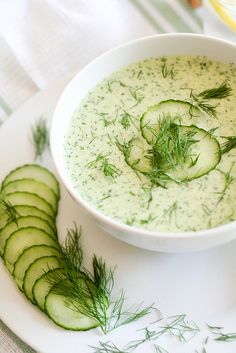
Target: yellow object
[226,9]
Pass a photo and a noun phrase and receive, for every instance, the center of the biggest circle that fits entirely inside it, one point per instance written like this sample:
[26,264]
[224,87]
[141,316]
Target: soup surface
[152,145]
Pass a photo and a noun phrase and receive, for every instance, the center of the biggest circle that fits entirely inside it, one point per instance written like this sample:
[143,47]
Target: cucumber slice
[206,152]
[35,271]
[171,108]
[28,256]
[29,199]
[63,313]
[137,158]
[22,239]
[34,171]
[23,210]
[42,287]
[23,222]
[205,155]
[34,187]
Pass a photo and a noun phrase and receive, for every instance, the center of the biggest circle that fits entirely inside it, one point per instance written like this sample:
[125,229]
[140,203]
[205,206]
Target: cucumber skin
[34,166]
[47,311]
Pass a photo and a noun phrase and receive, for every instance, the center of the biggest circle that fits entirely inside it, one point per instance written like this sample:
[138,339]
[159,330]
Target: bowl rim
[122,227]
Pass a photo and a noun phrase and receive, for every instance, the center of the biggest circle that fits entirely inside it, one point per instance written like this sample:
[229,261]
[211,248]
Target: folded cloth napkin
[41,41]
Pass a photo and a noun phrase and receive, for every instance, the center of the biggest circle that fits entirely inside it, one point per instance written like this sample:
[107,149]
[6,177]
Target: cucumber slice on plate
[63,313]
[34,187]
[137,156]
[22,239]
[184,112]
[29,199]
[28,256]
[23,222]
[23,211]
[43,286]
[34,171]
[35,271]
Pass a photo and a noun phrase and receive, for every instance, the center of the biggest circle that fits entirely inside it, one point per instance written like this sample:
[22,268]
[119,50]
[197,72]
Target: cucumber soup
[153,145]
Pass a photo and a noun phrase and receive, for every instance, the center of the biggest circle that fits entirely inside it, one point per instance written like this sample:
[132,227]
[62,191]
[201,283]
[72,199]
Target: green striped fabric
[169,15]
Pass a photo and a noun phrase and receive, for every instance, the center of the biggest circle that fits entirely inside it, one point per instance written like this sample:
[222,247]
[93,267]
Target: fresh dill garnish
[178,326]
[91,292]
[159,177]
[217,331]
[138,97]
[106,120]
[101,162]
[127,120]
[171,212]
[228,179]
[223,91]
[167,72]
[171,147]
[201,100]
[159,349]
[40,136]
[229,144]
[9,210]
[108,347]
[147,189]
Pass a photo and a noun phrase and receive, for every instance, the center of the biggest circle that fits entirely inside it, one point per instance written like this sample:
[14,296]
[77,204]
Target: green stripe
[145,14]
[191,11]
[5,107]
[171,16]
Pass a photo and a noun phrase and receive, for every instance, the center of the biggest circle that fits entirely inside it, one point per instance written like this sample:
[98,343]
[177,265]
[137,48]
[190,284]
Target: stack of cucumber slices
[28,241]
[170,144]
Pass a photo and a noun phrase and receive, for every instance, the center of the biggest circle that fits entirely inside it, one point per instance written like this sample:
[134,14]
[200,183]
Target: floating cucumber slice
[22,239]
[183,111]
[62,312]
[137,156]
[34,171]
[28,256]
[35,271]
[34,187]
[206,154]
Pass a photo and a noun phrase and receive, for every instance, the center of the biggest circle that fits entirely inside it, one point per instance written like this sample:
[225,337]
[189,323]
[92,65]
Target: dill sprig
[228,179]
[229,144]
[171,147]
[91,292]
[223,91]
[9,210]
[220,335]
[40,136]
[101,162]
[108,347]
[201,100]
[178,326]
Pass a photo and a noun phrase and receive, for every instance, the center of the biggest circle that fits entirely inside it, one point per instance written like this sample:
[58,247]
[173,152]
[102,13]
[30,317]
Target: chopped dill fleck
[167,72]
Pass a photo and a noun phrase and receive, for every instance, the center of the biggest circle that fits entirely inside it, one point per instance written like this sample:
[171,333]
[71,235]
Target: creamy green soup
[152,145]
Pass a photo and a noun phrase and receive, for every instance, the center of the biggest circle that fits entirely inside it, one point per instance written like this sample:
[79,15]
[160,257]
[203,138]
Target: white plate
[202,285]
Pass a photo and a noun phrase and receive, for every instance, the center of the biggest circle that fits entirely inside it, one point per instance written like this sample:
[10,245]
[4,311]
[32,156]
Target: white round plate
[201,285]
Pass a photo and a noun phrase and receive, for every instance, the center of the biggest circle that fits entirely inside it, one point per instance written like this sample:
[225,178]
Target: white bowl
[90,76]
